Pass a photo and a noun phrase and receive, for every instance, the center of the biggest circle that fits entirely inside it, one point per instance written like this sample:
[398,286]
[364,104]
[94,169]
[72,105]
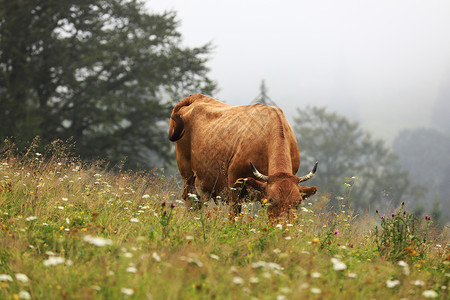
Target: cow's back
[220,140]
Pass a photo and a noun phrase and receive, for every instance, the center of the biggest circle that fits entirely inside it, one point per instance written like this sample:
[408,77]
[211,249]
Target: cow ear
[256,184]
[307,191]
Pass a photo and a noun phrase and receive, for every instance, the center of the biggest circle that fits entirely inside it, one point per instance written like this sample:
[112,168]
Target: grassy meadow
[71,230]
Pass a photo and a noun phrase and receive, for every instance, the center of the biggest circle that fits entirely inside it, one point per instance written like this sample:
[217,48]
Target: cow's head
[282,190]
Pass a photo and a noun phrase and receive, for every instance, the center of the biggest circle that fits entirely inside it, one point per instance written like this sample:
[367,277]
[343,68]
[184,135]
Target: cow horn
[310,174]
[259,175]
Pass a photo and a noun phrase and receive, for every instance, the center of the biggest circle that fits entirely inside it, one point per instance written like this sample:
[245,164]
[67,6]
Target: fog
[382,63]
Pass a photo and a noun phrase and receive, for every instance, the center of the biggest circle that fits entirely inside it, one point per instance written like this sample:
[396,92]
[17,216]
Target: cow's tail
[176,126]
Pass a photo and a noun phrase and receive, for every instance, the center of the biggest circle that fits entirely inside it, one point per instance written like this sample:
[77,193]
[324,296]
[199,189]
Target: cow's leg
[236,195]
[204,193]
[234,202]
[189,189]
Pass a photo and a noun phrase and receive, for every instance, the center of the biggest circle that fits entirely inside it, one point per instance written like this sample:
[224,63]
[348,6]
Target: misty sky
[380,62]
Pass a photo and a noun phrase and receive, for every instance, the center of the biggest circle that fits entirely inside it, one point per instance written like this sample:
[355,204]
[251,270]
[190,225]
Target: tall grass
[73,230]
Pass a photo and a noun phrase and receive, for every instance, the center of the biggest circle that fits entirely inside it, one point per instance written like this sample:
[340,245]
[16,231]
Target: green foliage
[343,149]
[165,217]
[400,236]
[101,72]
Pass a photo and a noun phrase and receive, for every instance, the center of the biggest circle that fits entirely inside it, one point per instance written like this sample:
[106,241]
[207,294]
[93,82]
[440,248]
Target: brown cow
[218,146]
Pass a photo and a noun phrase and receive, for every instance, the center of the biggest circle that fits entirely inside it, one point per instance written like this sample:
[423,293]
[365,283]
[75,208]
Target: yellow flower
[315,240]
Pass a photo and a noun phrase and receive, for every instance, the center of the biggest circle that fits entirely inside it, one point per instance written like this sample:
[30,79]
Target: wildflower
[53,261]
[97,241]
[127,291]
[192,196]
[134,220]
[279,226]
[304,285]
[22,277]
[392,283]
[31,218]
[315,240]
[189,237]
[253,280]
[336,232]
[382,217]
[275,266]
[192,259]
[24,295]
[429,294]
[276,251]
[173,205]
[338,265]
[131,269]
[163,203]
[403,203]
[213,256]
[376,210]
[352,275]
[156,257]
[96,287]
[418,283]
[405,267]
[316,275]
[61,207]
[392,215]
[238,280]
[146,196]
[64,199]
[315,290]
[5,277]
[259,264]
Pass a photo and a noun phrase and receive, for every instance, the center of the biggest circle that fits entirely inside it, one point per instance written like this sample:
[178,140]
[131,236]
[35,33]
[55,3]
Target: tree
[344,150]
[425,152]
[102,72]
